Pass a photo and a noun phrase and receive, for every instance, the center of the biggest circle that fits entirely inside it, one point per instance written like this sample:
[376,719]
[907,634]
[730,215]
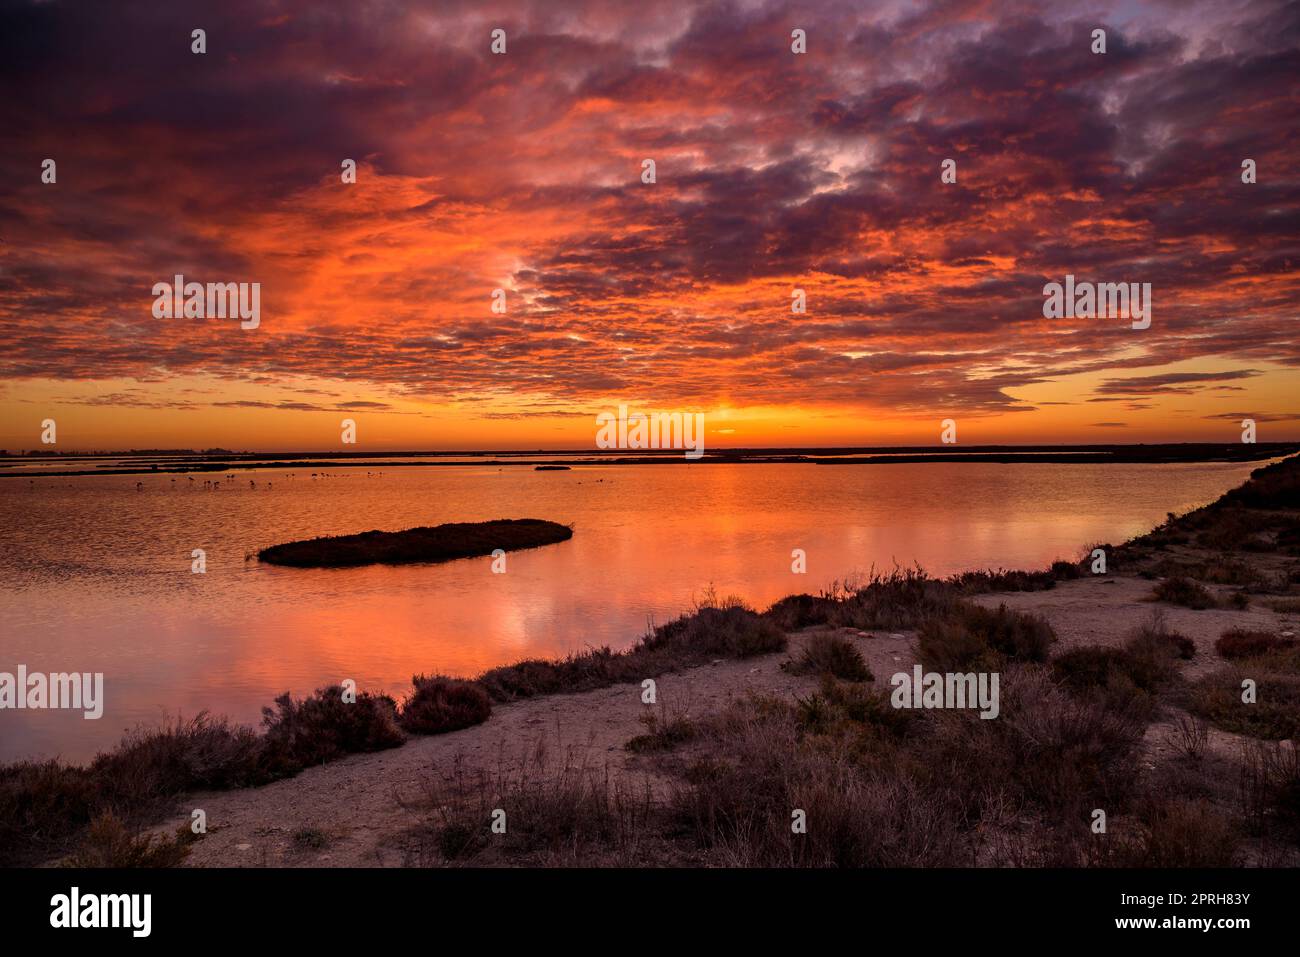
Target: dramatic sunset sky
[523,171]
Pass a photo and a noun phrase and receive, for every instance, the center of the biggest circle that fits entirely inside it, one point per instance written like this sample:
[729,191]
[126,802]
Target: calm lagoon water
[95,575]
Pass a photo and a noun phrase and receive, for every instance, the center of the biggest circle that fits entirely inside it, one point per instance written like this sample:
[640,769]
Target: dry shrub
[199,753]
[1270,789]
[1275,712]
[324,727]
[1189,738]
[1178,833]
[1056,751]
[741,808]
[555,814]
[439,704]
[664,731]
[108,842]
[799,611]
[830,654]
[1185,592]
[973,638]
[1240,643]
[902,599]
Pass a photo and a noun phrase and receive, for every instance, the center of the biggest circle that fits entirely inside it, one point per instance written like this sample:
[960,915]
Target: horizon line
[951,448]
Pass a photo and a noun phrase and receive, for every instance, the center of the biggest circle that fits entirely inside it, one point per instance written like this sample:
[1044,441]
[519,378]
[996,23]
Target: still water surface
[95,575]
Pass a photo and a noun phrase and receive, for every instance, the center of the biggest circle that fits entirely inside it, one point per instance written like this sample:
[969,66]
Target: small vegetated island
[439,543]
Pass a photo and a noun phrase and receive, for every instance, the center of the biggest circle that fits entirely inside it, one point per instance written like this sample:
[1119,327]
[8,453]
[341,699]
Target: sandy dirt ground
[364,804]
